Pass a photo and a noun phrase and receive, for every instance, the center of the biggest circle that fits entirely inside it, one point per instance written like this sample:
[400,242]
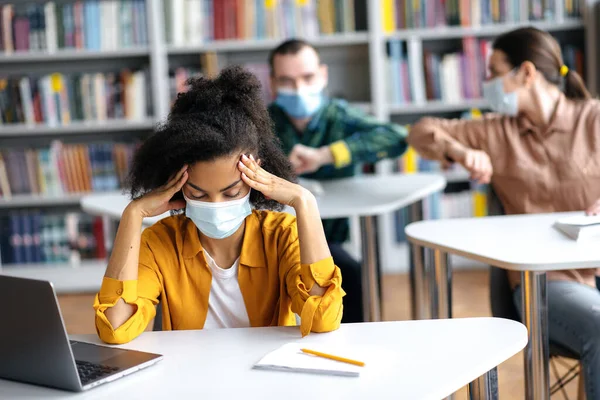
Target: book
[90,25]
[580,227]
[41,237]
[410,14]
[290,358]
[56,99]
[190,22]
[60,169]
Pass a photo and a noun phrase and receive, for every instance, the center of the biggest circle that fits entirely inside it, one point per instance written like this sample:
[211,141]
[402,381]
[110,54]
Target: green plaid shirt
[354,138]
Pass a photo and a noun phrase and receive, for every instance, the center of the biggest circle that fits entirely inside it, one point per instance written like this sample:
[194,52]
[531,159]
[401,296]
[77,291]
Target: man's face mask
[301,103]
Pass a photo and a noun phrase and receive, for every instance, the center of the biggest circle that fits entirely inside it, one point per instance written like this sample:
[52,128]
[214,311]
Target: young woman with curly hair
[228,260]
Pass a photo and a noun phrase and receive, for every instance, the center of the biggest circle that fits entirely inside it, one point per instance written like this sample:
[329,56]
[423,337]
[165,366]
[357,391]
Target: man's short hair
[290,46]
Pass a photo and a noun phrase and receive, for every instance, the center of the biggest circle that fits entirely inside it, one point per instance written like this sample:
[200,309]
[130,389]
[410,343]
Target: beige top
[535,170]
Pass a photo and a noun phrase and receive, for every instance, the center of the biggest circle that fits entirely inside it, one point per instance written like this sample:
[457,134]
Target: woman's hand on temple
[159,201]
[271,186]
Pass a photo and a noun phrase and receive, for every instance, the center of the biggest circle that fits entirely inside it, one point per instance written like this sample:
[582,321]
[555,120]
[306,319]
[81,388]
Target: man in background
[325,139]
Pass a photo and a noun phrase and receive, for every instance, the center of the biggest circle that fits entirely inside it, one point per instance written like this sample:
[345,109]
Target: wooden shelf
[77,127]
[85,277]
[454,32]
[435,106]
[340,39]
[72,55]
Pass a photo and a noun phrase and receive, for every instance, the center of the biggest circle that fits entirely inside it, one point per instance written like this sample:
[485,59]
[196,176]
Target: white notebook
[289,358]
[580,227]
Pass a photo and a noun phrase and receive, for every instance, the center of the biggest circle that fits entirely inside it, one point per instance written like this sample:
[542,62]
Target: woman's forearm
[438,139]
[313,243]
[123,263]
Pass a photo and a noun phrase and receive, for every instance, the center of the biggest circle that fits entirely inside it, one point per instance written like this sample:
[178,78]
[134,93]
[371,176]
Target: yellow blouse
[273,282]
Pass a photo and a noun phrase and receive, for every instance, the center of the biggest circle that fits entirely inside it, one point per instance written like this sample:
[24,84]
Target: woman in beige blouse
[541,153]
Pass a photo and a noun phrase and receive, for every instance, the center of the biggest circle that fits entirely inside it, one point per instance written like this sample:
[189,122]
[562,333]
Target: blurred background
[82,83]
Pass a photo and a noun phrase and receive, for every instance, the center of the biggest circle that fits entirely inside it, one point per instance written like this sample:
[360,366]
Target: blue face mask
[218,220]
[498,100]
[300,104]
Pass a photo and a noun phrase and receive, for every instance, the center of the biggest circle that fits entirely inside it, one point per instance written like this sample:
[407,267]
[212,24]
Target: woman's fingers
[468,161]
[179,184]
[252,170]
[594,209]
[261,187]
[250,174]
[479,166]
[176,178]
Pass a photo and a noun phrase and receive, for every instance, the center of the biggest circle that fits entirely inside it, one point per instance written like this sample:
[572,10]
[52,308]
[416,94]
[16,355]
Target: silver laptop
[35,348]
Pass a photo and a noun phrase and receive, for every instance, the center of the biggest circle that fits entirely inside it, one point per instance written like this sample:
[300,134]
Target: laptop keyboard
[89,372]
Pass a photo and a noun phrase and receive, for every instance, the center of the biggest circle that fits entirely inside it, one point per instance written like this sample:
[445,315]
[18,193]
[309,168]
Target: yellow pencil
[332,357]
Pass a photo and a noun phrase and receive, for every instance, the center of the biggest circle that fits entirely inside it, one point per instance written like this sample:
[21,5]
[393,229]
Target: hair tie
[564,70]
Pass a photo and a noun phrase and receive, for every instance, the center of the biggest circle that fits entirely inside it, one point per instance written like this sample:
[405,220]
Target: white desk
[112,205]
[428,359]
[365,196]
[526,243]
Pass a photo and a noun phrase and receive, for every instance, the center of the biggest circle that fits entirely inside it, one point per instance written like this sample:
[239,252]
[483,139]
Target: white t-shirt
[226,308]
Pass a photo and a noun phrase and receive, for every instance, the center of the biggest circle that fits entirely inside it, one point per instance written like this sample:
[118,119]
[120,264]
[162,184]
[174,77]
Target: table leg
[440,280]
[370,272]
[535,318]
[416,267]
[484,387]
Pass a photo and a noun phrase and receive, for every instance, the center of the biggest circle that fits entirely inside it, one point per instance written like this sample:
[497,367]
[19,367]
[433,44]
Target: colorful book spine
[38,237]
[414,14]
[197,21]
[65,168]
[449,77]
[83,24]
[58,99]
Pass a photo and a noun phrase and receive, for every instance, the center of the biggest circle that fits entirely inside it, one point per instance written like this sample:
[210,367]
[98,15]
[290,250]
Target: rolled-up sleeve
[317,313]
[142,293]
[367,140]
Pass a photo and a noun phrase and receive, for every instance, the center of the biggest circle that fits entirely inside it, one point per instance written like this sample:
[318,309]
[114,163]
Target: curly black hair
[214,118]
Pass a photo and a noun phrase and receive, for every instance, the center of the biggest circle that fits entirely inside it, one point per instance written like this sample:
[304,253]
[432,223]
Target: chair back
[501,295]
[158,318]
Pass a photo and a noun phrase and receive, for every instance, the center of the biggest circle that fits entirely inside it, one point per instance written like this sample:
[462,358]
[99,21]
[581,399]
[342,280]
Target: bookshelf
[358,55]
[457,32]
[342,39]
[77,128]
[34,200]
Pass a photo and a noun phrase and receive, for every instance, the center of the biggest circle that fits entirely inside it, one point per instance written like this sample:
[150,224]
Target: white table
[112,205]
[525,243]
[365,196]
[429,359]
